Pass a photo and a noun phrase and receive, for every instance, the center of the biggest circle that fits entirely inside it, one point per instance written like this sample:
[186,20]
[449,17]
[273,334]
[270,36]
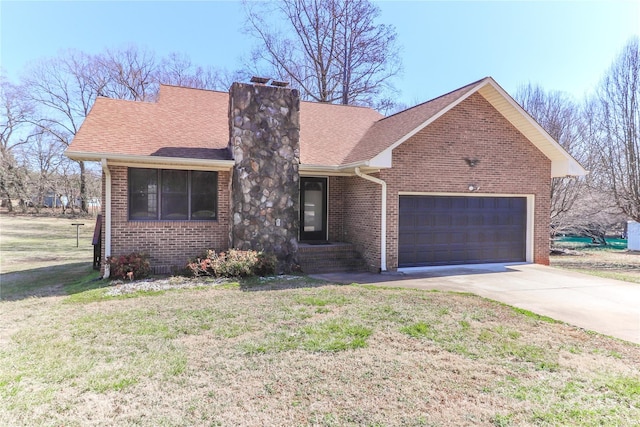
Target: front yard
[295,351]
[292,351]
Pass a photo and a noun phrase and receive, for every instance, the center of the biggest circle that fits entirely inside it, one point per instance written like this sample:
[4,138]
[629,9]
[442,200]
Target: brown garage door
[449,230]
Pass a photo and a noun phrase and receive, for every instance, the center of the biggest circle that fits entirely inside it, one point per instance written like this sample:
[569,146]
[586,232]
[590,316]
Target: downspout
[383,217]
[107,216]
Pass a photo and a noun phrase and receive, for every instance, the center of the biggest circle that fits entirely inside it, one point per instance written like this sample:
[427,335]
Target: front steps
[331,257]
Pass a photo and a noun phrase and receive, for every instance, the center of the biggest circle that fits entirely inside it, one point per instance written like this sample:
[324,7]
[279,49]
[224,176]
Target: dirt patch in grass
[297,352]
[610,263]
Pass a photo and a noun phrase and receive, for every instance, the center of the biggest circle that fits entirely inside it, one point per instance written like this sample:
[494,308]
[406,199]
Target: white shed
[633,236]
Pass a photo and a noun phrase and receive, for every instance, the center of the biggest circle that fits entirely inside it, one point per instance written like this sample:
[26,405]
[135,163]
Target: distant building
[633,236]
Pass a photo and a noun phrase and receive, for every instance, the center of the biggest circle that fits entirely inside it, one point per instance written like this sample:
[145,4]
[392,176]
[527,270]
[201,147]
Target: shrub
[234,263]
[266,265]
[133,266]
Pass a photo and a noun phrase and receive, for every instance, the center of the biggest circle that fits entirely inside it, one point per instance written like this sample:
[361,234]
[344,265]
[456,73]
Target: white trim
[314,170]
[530,209]
[333,170]
[568,166]
[107,217]
[383,219]
[562,163]
[531,225]
[154,162]
[385,155]
[468,194]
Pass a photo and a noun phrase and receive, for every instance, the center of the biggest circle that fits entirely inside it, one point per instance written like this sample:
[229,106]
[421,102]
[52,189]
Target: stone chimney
[264,131]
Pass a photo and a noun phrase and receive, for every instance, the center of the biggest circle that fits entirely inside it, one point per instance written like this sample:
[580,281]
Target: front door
[313,209]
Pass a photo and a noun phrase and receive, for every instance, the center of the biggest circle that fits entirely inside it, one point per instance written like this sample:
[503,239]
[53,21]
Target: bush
[234,263]
[133,266]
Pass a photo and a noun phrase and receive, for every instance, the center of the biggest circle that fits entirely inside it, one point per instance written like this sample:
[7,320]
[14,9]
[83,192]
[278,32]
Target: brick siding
[362,204]
[335,209]
[433,160]
[169,243]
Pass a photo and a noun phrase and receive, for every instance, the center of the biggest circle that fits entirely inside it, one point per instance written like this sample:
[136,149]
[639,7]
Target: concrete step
[330,258]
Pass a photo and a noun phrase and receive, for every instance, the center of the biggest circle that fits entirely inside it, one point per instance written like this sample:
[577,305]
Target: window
[169,194]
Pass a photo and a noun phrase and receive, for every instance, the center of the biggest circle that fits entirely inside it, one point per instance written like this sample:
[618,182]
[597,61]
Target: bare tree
[43,155]
[178,69]
[332,50]
[61,89]
[15,132]
[594,214]
[127,73]
[561,118]
[618,102]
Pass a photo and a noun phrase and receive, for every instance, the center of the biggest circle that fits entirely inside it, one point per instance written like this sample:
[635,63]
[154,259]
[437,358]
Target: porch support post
[383,217]
[107,217]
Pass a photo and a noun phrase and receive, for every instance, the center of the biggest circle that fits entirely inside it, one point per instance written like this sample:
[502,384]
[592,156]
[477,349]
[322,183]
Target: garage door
[449,230]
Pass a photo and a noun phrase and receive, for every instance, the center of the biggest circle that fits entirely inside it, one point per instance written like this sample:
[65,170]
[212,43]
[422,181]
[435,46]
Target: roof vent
[259,80]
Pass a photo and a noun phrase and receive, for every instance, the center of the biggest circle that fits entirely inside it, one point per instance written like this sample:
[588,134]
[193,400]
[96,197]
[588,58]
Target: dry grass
[610,263]
[39,254]
[288,351]
[298,352]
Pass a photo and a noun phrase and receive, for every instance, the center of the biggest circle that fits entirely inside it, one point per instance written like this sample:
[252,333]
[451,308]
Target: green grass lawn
[39,254]
[291,351]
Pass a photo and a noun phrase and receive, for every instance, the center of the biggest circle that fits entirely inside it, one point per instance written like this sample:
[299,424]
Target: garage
[451,230]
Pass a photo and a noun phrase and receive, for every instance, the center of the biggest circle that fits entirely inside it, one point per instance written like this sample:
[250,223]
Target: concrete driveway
[607,306]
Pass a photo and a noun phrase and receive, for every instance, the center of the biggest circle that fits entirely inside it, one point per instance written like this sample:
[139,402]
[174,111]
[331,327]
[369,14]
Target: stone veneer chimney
[264,131]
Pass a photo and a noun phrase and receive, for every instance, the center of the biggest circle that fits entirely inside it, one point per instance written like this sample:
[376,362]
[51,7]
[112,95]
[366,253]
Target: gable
[472,130]
[562,163]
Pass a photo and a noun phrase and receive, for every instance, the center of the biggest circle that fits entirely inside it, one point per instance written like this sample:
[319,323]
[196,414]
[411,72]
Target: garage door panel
[444,230]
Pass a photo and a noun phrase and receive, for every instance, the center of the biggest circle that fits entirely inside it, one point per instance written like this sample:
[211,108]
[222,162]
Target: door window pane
[313,206]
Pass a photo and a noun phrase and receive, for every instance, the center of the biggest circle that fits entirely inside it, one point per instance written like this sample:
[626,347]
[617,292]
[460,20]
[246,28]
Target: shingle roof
[329,132]
[183,123]
[192,123]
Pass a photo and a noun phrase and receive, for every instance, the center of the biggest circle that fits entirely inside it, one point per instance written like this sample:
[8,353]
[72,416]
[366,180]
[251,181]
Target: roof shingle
[193,123]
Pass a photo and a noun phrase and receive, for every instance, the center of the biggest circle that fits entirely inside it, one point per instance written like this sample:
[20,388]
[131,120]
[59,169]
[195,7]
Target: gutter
[164,162]
[383,217]
[107,216]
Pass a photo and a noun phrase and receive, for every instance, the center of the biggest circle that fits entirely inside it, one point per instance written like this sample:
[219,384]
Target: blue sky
[560,45]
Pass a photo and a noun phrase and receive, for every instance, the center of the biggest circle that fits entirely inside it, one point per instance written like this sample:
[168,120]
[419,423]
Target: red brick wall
[362,214]
[335,209]
[433,161]
[169,243]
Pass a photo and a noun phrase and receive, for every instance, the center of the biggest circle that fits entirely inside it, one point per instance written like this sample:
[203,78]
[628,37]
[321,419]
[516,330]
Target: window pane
[143,194]
[174,206]
[204,191]
[175,200]
[174,181]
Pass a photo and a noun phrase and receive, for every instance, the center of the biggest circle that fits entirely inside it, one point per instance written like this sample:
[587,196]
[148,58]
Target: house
[461,179]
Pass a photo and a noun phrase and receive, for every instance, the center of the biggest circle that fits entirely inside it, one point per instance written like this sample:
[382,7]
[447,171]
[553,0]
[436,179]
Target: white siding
[633,236]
